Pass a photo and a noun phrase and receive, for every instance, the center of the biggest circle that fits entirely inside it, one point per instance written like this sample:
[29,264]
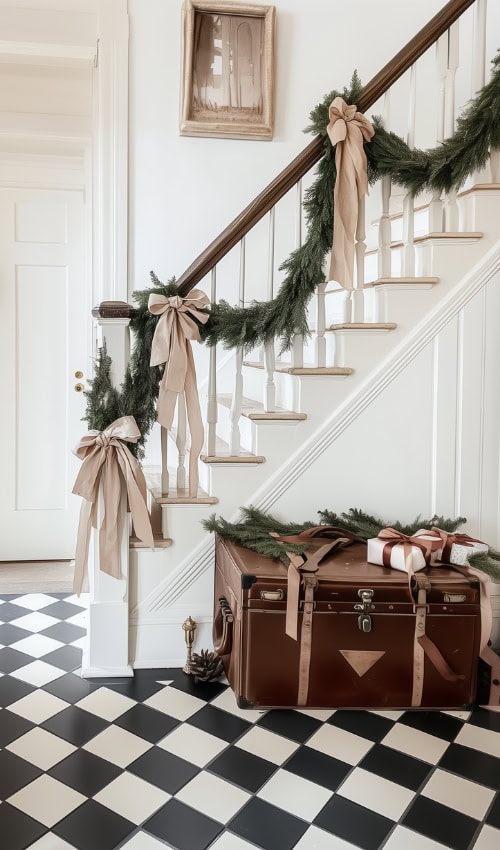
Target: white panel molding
[54,55]
[174,585]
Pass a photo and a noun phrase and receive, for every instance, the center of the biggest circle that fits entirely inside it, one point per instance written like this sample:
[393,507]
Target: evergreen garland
[254,527]
[443,168]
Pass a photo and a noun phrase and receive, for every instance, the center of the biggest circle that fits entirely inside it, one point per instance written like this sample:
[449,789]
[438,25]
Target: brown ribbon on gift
[105,456]
[171,345]
[448,539]
[348,130]
[397,538]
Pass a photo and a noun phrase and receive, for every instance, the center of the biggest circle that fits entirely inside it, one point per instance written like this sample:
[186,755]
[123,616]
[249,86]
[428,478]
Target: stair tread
[253,409]
[223,455]
[455,235]
[305,370]
[363,326]
[397,281]
[159,541]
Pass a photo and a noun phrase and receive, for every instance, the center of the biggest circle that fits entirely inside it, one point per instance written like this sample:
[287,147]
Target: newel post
[106,652]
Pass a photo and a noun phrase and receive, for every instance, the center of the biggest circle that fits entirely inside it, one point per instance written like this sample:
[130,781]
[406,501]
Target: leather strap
[418,650]
[438,661]
[310,584]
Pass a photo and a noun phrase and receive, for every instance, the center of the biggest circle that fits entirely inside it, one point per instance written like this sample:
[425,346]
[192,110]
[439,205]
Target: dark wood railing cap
[113,310]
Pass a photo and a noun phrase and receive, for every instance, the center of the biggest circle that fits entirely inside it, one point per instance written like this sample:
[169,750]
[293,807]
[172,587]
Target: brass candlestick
[189,627]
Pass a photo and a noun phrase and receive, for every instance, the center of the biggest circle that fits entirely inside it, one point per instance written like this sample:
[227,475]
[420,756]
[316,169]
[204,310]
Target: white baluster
[436,205]
[360,248]
[298,340]
[384,233]
[320,342]
[164,461]
[212,381]
[181,442]
[269,355]
[479,67]
[236,405]
[450,201]
[409,201]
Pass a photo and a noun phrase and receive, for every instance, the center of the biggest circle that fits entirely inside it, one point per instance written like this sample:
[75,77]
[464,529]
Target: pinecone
[206,666]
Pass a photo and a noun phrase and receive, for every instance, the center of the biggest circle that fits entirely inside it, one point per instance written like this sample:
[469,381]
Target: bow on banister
[171,345]
[106,457]
[348,129]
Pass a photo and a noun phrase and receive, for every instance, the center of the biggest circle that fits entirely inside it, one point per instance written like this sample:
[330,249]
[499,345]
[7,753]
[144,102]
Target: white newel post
[106,651]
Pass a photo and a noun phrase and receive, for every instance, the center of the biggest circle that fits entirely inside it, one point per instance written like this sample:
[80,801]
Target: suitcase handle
[223,628]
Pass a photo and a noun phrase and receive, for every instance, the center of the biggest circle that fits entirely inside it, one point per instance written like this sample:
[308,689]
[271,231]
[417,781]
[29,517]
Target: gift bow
[174,330]
[396,538]
[447,540]
[105,455]
[348,129]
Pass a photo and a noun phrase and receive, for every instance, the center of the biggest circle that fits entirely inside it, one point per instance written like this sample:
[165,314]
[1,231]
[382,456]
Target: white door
[44,322]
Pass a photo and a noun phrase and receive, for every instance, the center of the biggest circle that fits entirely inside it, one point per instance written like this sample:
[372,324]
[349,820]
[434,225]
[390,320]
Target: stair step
[224,455]
[452,237]
[176,496]
[363,326]
[409,282]
[304,371]
[159,541]
[255,410]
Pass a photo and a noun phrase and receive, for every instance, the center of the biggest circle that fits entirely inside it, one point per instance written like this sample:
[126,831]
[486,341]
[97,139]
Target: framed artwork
[228,70]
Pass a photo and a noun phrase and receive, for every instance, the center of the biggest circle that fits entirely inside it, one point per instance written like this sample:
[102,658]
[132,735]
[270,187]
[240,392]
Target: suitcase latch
[364,619]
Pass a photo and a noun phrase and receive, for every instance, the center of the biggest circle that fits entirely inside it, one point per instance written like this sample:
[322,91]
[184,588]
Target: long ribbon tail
[195,422]
[109,550]
[82,546]
[136,490]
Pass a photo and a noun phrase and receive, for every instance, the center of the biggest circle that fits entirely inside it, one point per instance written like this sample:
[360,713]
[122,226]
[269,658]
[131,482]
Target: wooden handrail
[302,163]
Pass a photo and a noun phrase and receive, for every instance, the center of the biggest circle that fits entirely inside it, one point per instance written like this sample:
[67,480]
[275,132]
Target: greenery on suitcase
[254,529]
[443,168]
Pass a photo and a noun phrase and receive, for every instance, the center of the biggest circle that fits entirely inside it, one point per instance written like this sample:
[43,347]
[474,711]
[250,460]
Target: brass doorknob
[78,388]
[78,374]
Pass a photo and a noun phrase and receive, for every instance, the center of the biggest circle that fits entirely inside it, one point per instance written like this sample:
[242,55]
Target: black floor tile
[440,823]
[292,724]
[15,773]
[75,725]
[66,657]
[66,632]
[395,766]
[434,723]
[267,826]
[17,830]
[137,689]
[12,726]
[318,768]
[363,723]
[219,723]
[93,827]
[10,634]
[166,771]
[483,718]
[12,659]
[12,689]
[472,764]
[203,690]
[62,610]
[493,818]
[146,722]
[85,772]
[353,823]
[71,687]
[242,768]
[182,827]
[10,611]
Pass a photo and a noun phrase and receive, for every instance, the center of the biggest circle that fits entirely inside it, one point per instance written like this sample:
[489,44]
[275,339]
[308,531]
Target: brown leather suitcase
[367,637]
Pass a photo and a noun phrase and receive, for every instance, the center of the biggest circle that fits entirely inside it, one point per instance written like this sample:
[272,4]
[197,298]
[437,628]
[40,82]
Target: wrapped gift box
[397,553]
[460,553]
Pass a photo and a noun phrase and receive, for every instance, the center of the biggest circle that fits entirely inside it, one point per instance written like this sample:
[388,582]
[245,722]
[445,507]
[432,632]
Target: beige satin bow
[171,345]
[105,455]
[348,129]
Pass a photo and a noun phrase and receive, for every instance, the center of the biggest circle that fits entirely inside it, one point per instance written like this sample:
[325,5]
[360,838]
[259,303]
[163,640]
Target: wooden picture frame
[228,70]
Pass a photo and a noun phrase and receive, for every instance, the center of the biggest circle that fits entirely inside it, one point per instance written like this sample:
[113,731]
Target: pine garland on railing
[443,168]
[254,527]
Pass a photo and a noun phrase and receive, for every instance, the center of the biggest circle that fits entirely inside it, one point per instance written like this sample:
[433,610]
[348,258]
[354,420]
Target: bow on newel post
[348,130]
[172,346]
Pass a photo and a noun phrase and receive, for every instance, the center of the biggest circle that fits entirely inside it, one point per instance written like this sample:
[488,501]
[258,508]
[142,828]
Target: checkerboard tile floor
[158,761]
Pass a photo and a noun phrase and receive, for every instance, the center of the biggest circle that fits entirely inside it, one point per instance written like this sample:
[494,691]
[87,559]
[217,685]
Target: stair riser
[246,426]
[353,348]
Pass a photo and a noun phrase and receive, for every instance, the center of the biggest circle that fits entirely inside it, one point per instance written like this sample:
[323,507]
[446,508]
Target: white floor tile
[227,841]
[340,744]
[376,793]
[38,673]
[193,745]
[409,840]
[479,739]
[80,643]
[459,794]
[175,703]
[318,713]
[106,703]
[213,796]
[47,800]
[296,795]
[142,841]
[391,715]
[36,601]
[83,600]
[41,748]
[488,839]
[81,619]
[35,622]
[49,841]
[318,839]
[267,745]
[462,715]
[117,746]
[227,701]
[415,743]
[37,645]
[38,706]
[132,798]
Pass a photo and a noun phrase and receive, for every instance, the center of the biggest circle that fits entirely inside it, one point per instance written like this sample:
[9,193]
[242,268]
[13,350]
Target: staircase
[391,405]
